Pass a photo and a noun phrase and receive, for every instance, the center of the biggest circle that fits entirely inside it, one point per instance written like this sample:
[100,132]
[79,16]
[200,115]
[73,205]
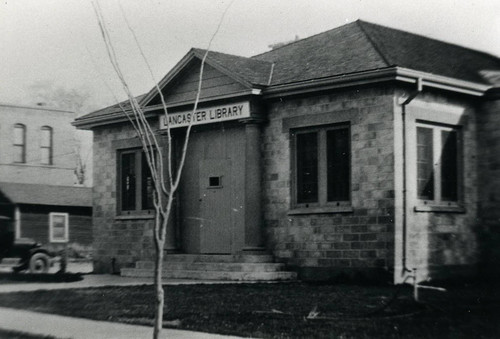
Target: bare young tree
[165,180]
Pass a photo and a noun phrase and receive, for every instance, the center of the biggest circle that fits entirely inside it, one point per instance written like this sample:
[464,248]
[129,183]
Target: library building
[363,152]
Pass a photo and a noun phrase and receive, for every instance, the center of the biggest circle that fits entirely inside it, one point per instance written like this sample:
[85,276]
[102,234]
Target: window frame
[322,205]
[22,145]
[438,203]
[50,147]
[51,227]
[138,168]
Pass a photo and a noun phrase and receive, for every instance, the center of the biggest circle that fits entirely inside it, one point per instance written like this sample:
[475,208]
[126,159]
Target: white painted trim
[399,240]
[444,82]
[66,227]
[439,107]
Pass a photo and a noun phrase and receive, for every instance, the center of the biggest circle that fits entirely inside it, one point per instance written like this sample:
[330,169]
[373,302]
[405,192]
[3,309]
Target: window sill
[440,208]
[134,216]
[320,210]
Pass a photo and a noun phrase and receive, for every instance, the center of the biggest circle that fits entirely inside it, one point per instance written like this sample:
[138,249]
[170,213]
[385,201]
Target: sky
[57,43]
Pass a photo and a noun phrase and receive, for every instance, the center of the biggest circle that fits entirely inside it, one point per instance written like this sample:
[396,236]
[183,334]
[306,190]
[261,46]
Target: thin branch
[169,136]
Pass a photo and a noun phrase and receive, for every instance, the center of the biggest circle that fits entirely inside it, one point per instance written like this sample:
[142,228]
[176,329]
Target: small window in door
[214,182]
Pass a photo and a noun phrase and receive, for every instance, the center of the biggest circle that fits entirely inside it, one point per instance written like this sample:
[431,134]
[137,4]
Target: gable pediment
[180,86]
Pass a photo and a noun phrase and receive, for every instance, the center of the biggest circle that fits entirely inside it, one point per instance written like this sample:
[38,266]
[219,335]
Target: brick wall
[325,245]
[124,240]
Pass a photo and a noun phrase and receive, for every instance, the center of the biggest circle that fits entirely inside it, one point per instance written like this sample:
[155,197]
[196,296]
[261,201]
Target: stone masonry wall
[322,246]
[121,240]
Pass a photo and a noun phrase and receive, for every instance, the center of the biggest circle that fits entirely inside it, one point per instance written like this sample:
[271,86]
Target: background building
[40,157]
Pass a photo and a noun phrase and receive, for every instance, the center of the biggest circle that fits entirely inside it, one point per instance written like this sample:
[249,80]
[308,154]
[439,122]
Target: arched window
[19,143]
[46,145]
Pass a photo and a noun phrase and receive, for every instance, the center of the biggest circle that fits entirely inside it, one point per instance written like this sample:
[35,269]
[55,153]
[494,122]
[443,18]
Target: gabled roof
[47,194]
[351,50]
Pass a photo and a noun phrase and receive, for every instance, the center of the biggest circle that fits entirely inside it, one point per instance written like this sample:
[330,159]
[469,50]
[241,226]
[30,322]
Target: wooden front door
[215,206]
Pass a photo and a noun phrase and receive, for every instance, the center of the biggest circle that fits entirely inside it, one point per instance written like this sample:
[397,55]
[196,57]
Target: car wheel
[39,263]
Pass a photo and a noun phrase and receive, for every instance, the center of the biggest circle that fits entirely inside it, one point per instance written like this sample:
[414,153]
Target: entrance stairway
[245,267]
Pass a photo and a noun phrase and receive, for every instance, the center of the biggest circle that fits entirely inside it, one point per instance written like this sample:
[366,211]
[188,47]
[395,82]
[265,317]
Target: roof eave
[393,73]
[118,117]
[443,82]
[111,118]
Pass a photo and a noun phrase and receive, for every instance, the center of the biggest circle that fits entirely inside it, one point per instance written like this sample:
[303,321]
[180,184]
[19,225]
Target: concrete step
[244,267]
[219,258]
[214,266]
[212,275]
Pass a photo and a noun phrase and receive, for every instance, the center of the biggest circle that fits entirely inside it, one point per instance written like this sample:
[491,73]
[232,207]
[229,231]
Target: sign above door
[207,115]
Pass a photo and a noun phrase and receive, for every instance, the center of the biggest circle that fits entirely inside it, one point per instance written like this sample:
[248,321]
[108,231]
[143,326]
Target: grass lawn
[281,310]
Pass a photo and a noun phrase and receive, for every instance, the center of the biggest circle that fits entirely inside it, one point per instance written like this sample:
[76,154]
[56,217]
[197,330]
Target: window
[135,182]
[214,182]
[58,227]
[322,166]
[19,143]
[438,164]
[46,145]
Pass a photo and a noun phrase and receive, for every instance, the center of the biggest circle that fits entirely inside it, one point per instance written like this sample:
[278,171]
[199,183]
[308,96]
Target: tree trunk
[159,295]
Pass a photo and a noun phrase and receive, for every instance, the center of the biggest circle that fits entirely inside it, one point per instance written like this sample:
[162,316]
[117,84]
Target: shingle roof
[361,46]
[113,109]
[47,194]
[342,50]
[254,71]
[429,55]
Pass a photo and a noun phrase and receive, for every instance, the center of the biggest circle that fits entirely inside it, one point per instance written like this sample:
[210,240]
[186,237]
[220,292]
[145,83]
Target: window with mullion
[136,184]
[322,166]
[438,165]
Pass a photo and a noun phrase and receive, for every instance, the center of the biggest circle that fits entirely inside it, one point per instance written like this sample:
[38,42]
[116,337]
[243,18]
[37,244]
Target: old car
[32,255]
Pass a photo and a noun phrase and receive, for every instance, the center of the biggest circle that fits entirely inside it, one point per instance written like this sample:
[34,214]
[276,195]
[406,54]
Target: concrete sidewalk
[76,328]
[100,280]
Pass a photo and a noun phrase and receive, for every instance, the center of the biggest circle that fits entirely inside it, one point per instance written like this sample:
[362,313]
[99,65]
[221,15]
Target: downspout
[404,102]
